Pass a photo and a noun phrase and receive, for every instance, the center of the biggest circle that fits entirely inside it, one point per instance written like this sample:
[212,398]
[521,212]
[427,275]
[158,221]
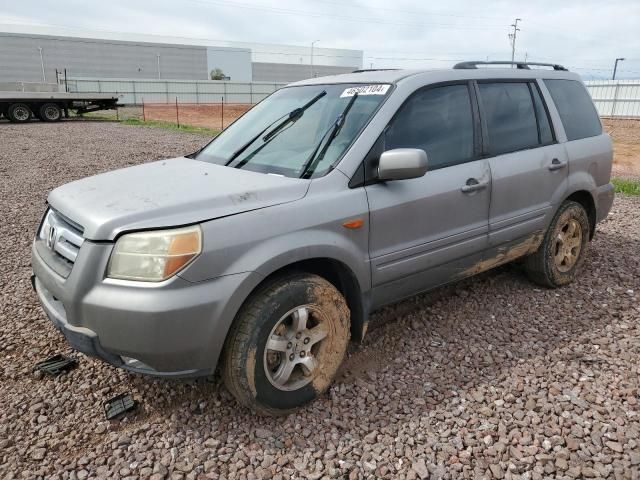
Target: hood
[168,193]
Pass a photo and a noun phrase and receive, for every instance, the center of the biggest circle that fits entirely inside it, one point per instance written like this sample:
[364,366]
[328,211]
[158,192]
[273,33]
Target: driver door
[430,230]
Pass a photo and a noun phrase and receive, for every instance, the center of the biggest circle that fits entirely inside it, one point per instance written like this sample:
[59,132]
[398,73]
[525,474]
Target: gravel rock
[498,379]
[420,468]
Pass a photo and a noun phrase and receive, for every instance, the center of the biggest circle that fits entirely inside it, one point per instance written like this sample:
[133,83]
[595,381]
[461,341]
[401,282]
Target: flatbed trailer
[20,107]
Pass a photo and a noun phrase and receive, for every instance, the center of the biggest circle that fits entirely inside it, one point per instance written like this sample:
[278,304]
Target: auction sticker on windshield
[365,90]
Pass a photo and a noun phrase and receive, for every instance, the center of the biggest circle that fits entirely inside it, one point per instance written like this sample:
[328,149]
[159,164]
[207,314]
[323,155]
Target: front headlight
[154,256]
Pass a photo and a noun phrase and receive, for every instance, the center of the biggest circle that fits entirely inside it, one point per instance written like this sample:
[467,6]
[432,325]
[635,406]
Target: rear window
[510,116]
[576,109]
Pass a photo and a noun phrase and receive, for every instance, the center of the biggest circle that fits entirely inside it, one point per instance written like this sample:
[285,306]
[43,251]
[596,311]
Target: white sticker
[365,90]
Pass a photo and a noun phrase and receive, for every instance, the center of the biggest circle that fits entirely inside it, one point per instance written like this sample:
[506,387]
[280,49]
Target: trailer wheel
[19,113]
[50,112]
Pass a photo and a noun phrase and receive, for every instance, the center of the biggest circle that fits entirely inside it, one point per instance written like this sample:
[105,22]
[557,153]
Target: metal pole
[513,37]
[44,77]
[158,55]
[222,114]
[615,67]
[144,117]
[177,114]
[312,44]
[615,100]
[66,87]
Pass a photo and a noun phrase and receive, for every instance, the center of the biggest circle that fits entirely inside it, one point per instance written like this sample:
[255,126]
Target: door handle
[473,185]
[556,164]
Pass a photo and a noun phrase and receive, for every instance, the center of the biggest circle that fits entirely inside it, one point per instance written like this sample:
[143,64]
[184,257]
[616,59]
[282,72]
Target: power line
[288,11]
[409,12]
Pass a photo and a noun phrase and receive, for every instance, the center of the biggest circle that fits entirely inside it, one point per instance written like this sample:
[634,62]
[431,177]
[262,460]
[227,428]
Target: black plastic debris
[118,405]
[56,365]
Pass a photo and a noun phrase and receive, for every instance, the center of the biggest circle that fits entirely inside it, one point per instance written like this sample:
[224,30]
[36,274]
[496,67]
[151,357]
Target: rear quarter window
[578,115]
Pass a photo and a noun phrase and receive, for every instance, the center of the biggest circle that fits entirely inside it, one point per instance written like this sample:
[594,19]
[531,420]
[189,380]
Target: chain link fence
[216,116]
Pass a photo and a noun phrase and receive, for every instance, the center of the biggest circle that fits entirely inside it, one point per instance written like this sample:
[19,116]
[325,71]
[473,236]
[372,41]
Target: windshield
[283,134]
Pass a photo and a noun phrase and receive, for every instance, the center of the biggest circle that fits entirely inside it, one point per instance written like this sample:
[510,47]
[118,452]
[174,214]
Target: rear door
[426,231]
[588,147]
[528,167]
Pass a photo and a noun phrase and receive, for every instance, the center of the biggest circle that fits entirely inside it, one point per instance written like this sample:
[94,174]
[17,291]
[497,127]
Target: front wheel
[286,344]
[563,249]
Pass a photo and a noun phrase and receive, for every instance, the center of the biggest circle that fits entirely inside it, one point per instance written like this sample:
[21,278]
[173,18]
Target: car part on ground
[56,364]
[119,405]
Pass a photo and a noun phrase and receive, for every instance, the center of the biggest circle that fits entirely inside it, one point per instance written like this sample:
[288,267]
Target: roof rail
[519,65]
[375,70]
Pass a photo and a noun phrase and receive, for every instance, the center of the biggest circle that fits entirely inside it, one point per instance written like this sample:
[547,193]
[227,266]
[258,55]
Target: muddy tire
[563,249]
[286,344]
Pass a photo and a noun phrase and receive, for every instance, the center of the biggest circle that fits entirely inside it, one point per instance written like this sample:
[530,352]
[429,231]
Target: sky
[584,35]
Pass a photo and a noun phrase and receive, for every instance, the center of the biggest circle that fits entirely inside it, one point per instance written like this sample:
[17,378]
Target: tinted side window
[511,121]
[544,124]
[437,120]
[575,107]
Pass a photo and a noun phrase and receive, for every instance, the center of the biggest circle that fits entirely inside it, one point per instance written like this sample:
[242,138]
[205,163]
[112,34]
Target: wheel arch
[335,272]
[585,198]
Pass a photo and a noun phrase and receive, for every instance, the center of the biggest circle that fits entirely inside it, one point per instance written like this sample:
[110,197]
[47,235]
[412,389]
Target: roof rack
[375,70]
[519,65]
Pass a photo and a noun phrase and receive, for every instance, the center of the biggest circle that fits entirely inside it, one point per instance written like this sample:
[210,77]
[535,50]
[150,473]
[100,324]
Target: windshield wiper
[315,158]
[292,116]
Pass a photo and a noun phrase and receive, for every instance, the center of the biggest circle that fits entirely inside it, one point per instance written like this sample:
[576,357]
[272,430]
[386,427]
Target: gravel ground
[489,378]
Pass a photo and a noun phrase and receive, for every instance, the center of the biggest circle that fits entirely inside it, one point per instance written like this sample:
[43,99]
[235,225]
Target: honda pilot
[264,252]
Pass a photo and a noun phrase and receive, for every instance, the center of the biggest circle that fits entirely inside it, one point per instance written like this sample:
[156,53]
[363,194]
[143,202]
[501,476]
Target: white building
[33,54]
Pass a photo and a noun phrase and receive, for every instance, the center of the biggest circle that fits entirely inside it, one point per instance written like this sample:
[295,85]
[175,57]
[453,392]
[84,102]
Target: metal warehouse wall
[616,98]
[20,58]
[292,72]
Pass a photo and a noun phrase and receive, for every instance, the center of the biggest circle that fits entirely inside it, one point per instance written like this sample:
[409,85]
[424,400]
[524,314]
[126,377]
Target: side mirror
[402,164]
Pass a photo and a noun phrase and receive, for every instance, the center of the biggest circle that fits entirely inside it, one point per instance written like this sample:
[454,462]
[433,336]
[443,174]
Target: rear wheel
[286,344]
[50,112]
[19,113]
[563,249]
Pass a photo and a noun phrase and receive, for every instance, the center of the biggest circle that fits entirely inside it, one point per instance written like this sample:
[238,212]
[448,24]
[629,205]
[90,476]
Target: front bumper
[172,328]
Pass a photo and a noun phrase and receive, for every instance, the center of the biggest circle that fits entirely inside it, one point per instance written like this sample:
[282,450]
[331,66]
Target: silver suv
[266,250]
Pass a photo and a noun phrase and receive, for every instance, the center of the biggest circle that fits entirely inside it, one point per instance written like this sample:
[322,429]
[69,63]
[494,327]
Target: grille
[61,236]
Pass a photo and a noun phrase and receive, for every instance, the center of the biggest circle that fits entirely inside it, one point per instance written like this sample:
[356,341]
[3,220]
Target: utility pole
[512,37]
[615,67]
[44,78]
[312,44]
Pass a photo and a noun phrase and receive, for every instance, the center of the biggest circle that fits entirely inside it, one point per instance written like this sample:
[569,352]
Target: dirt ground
[215,116]
[626,146]
[492,377]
